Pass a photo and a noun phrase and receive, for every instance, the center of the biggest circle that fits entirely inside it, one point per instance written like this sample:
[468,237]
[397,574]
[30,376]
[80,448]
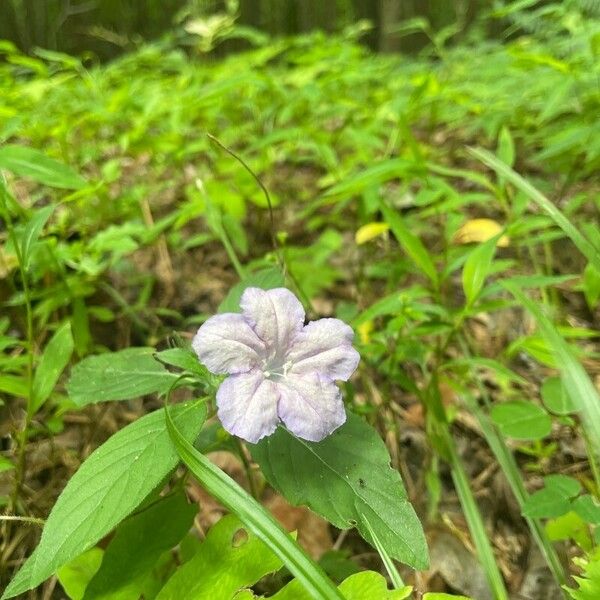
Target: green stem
[23,436]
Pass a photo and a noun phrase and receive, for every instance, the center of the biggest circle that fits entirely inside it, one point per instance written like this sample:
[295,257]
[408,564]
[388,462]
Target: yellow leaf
[480,230]
[370,231]
[364,331]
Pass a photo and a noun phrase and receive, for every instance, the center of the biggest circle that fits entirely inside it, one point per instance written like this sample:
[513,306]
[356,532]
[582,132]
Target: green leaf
[182,358]
[14,385]
[581,390]
[410,242]
[521,420]
[570,526]
[591,285]
[5,464]
[365,585]
[55,358]
[32,231]
[254,516]
[137,545]
[581,242]
[107,487]
[346,478]
[589,582]
[555,397]
[118,376]
[506,147]
[230,558]
[267,279]
[27,162]
[75,575]
[477,268]
[554,499]
[371,585]
[588,509]
[374,175]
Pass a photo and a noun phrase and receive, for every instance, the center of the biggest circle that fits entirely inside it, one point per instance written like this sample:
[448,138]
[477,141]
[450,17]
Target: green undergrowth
[445,205]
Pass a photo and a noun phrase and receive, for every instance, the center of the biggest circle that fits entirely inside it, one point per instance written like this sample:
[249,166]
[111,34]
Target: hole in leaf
[239,538]
[352,522]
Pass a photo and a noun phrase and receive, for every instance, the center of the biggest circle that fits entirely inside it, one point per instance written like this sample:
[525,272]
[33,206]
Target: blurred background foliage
[109,27]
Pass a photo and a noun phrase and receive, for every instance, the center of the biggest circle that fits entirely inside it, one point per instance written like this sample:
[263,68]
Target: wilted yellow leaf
[480,230]
[364,331]
[370,231]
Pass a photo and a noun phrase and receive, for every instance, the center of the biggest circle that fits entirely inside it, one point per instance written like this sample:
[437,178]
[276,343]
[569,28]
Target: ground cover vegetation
[444,205]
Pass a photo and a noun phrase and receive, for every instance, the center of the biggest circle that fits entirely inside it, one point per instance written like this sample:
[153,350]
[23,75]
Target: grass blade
[255,517]
[583,244]
[507,462]
[387,561]
[479,535]
[412,245]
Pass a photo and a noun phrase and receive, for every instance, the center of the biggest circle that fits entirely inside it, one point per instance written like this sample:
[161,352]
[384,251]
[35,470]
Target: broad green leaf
[346,478]
[521,420]
[33,164]
[371,585]
[570,526]
[254,516]
[554,499]
[477,268]
[588,509]
[581,242]
[267,279]
[365,585]
[107,487]
[55,358]
[118,376]
[32,231]
[581,390]
[137,545]
[412,245]
[555,397]
[75,575]
[230,558]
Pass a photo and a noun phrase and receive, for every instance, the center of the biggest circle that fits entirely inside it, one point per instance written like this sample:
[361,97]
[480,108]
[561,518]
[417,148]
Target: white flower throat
[274,369]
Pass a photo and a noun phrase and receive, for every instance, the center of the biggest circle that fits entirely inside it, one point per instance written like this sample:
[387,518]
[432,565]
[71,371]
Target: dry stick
[274,242]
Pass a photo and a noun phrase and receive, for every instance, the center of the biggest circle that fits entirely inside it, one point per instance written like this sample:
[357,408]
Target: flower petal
[324,346]
[247,405]
[310,406]
[276,315]
[227,344]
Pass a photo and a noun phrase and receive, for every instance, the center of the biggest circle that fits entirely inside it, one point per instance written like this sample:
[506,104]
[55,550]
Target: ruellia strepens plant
[374,288]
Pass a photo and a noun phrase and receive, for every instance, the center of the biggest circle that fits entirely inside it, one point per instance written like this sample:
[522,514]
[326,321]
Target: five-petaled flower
[279,368]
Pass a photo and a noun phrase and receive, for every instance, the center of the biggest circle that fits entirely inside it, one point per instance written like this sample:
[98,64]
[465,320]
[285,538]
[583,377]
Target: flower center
[275,370]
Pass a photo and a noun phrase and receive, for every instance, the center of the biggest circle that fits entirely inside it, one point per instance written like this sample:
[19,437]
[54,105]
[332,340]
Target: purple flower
[280,369]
